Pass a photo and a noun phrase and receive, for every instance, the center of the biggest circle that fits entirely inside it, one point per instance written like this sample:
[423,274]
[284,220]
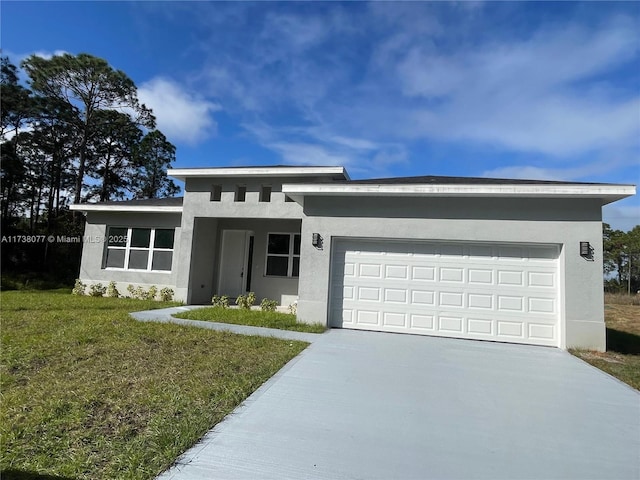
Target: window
[139,248]
[216,193]
[283,255]
[241,193]
[265,193]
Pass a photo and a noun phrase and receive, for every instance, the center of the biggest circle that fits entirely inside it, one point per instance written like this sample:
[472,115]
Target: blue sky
[503,89]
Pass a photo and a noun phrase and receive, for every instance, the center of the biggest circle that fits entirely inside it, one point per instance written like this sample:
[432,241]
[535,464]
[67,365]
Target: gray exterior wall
[562,222]
[203,221]
[206,253]
[93,252]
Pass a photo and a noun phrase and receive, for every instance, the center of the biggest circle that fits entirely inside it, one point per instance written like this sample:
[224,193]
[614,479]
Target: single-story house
[477,258]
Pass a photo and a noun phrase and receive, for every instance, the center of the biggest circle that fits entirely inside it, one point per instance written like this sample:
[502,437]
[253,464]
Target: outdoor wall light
[585,249]
[316,240]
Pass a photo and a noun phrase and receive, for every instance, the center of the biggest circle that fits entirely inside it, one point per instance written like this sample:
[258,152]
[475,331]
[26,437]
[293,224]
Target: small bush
[293,308]
[136,292]
[78,288]
[166,294]
[267,305]
[251,299]
[112,290]
[246,301]
[220,301]
[97,290]
[151,293]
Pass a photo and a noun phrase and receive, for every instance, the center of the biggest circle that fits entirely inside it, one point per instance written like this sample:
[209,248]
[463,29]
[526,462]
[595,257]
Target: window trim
[289,256]
[128,248]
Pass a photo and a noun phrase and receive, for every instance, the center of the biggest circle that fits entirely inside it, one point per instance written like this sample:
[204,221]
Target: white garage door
[500,292]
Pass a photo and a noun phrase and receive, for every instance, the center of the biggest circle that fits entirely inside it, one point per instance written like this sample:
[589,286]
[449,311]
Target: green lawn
[254,318]
[89,393]
[622,358]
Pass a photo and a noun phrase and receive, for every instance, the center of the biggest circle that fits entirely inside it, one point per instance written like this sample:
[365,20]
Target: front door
[234,258]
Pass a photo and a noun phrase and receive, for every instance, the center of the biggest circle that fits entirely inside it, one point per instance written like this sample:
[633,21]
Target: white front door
[234,256]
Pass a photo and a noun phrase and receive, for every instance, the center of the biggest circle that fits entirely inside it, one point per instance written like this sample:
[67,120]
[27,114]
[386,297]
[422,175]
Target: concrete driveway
[364,405]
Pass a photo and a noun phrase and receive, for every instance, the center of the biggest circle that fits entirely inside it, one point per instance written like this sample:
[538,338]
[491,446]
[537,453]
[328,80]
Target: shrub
[166,294]
[246,301]
[97,290]
[220,301]
[112,290]
[136,292]
[293,308]
[151,293]
[268,305]
[78,288]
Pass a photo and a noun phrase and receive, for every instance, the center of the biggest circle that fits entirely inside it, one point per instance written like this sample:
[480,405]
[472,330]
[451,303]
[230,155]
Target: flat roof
[448,180]
[147,205]
[607,193]
[272,171]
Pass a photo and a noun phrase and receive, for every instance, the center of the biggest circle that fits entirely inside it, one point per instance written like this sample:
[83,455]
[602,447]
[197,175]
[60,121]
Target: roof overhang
[606,193]
[184,173]
[95,207]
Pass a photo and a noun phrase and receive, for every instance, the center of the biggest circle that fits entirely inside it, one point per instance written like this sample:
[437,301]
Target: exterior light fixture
[585,249]
[316,240]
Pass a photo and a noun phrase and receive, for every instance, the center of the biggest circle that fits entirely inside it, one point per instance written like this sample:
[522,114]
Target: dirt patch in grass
[622,358]
[89,393]
[254,318]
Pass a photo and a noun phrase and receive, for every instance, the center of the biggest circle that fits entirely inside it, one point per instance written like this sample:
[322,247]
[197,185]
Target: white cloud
[597,168]
[181,115]
[47,55]
[308,154]
[620,216]
[370,85]
[525,95]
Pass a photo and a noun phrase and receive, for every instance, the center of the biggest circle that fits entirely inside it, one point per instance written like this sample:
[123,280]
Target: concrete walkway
[364,405]
[164,315]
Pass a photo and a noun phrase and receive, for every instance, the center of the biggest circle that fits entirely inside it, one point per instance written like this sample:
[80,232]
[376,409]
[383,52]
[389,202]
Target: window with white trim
[148,249]
[283,255]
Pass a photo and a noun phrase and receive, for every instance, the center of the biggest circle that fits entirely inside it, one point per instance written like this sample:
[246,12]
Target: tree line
[75,132]
[621,259]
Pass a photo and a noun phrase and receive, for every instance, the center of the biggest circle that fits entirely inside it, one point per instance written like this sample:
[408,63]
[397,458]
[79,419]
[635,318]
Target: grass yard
[89,393]
[254,318]
[622,358]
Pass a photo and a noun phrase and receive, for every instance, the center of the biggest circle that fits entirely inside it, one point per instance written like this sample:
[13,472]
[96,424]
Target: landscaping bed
[254,318]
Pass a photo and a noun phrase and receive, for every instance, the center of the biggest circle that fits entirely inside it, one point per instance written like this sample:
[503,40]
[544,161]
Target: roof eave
[94,207]
[184,173]
[606,193]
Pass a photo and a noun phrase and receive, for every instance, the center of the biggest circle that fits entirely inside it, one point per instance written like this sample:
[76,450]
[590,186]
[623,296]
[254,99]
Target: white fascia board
[608,193]
[92,207]
[184,173]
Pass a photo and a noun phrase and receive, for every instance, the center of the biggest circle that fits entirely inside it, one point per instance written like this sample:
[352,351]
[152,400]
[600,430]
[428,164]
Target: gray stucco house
[490,259]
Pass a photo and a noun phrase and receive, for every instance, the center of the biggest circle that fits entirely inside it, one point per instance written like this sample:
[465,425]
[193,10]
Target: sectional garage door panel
[500,292]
